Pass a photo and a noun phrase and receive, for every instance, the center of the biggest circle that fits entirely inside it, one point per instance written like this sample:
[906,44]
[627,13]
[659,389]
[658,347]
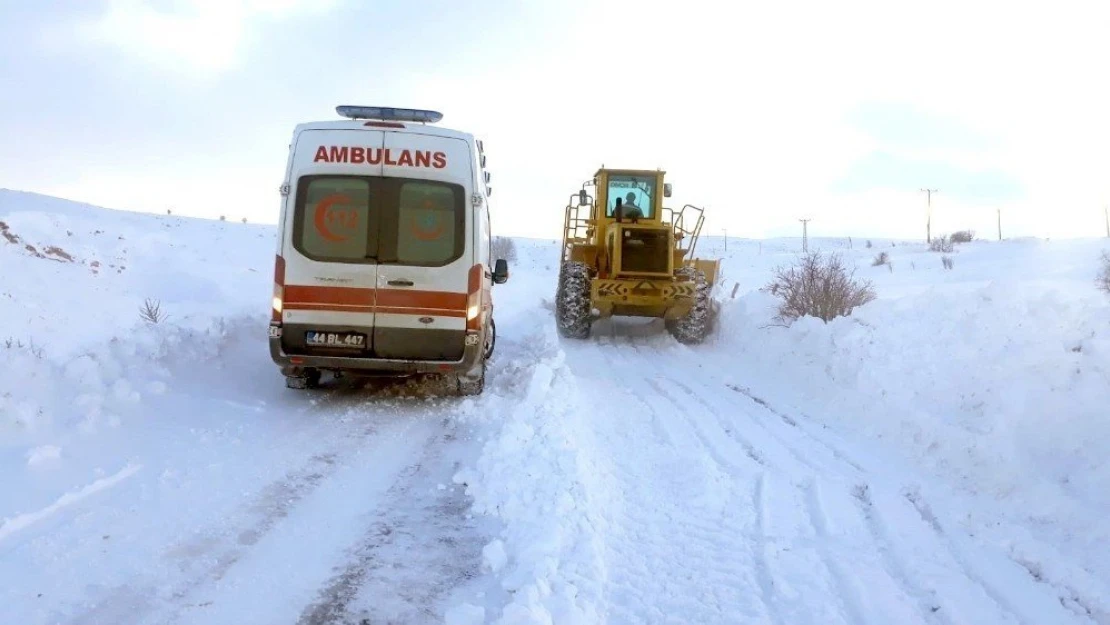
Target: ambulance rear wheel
[491,340]
[306,379]
[472,383]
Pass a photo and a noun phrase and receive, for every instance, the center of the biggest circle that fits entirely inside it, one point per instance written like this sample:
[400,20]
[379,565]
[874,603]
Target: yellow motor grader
[625,254]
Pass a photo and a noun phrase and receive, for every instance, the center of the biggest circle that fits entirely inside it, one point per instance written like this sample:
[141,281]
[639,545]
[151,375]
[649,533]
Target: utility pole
[929,215]
[805,234]
[999,223]
[726,239]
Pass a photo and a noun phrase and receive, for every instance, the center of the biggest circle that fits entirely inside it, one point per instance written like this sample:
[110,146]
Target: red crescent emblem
[320,218]
[430,232]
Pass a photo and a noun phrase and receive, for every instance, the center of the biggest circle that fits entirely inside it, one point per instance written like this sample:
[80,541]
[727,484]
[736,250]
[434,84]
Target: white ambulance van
[383,262]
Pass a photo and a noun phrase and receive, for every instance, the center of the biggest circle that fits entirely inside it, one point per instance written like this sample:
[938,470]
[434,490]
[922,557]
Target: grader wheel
[572,301]
[692,328]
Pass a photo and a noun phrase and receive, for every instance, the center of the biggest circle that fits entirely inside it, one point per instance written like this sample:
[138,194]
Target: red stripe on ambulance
[377,156]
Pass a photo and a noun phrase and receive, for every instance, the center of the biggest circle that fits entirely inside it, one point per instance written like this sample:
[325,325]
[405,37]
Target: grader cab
[625,254]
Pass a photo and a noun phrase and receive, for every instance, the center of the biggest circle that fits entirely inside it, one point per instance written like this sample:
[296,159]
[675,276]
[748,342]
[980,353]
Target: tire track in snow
[792,422]
[696,360]
[992,591]
[284,568]
[268,507]
[646,388]
[846,591]
[406,562]
[710,444]
[759,545]
[206,557]
[773,439]
[683,410]
[926,600]
[680,547]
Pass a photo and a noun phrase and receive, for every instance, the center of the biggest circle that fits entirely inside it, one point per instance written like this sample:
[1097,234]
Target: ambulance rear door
[426,254]
[332,242]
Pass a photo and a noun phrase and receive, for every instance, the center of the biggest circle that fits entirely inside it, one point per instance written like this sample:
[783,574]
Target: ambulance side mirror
[667,189]
[500,271]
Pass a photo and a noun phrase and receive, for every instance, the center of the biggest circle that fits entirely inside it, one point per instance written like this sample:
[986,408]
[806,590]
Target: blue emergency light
[389,114]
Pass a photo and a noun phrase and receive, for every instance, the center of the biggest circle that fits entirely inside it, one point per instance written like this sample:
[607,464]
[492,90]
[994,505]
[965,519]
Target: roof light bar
[389,114]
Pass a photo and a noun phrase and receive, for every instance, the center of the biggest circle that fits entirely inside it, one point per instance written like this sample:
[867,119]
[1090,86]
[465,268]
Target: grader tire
[572,301]
[692,328]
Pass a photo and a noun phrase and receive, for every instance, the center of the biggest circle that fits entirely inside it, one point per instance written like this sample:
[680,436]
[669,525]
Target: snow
[938,457]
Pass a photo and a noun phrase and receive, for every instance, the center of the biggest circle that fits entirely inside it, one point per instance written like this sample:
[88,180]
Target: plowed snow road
[723,508]
[640,472]
[259,505]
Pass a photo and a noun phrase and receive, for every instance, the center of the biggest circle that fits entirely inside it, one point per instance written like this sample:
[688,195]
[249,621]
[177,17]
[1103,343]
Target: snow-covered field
[939,457]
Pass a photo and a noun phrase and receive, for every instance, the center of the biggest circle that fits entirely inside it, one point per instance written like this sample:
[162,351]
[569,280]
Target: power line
[805,234]
[929,215]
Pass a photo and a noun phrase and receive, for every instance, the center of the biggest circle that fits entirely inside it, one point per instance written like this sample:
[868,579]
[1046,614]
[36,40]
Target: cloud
[884,170]
[191,36]
[905,126]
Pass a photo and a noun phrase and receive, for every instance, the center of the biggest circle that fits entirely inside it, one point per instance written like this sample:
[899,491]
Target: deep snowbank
[993,375]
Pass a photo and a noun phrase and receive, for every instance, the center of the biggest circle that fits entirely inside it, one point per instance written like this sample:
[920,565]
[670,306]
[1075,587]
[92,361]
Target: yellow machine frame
[590,236]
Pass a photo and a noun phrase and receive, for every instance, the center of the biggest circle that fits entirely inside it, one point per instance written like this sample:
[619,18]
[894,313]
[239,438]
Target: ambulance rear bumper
[294,364]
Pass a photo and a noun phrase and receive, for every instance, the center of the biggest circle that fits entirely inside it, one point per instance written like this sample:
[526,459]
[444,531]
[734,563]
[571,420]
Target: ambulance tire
[469,385]
[308,379]
[491,340]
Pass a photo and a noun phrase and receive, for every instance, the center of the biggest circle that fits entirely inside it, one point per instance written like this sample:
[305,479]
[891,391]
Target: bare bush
[943,243]
[151,312]
[963,236]
[868,244]
[947,262]
[34,350]
[818,286]
[1103,279]
[882,259]
[503,247]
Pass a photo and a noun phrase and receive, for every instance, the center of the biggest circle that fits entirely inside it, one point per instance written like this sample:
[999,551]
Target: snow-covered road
[720,508]
[161,473]
[344,511]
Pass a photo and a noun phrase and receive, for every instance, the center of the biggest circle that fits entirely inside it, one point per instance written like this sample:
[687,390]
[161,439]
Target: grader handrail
[572,222]
[691,234]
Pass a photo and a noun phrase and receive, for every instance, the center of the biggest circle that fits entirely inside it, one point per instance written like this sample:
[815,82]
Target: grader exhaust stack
[625,254]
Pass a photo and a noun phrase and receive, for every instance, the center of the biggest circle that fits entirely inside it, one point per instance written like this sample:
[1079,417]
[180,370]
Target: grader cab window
[636,193]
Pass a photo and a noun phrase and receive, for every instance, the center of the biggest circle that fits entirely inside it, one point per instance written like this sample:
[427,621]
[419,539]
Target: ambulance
[384,251]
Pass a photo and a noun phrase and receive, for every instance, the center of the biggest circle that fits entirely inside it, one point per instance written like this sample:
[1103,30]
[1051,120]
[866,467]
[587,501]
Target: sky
[762,113]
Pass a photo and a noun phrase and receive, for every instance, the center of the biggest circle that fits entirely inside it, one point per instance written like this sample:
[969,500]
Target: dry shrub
[1103,280]
[943,243]
[963,236]
[882,259]
[503,247]
[947,262]
[818,286]
[868,244]
[151,312]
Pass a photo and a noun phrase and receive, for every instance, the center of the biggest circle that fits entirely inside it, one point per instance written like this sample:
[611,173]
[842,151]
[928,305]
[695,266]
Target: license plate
[335,339]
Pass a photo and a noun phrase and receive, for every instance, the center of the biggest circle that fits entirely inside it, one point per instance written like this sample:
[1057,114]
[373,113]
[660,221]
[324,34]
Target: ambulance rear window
[333,219]
[365,219]
[429,223]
